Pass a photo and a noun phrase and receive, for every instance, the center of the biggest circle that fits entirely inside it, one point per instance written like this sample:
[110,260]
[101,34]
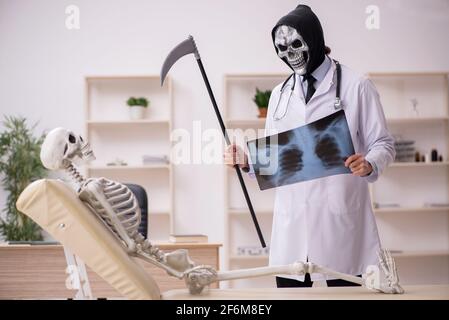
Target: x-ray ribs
[291,162]
[327,150]
[316,150]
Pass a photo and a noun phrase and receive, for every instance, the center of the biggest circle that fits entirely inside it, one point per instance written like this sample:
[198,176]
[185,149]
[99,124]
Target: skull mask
[61,147]
[292,47]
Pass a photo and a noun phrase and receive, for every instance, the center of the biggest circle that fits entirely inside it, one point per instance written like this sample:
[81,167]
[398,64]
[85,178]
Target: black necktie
[310,88]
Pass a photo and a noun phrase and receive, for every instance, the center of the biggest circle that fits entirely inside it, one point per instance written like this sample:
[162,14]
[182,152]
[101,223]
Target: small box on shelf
[115,132]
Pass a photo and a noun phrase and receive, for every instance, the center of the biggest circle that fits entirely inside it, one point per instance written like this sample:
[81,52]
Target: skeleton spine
[75,174]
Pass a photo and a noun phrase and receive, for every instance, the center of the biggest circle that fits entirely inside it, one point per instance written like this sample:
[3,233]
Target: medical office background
[78,77]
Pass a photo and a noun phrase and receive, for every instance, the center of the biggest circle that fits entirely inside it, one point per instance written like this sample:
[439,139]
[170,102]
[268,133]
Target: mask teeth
[88,154]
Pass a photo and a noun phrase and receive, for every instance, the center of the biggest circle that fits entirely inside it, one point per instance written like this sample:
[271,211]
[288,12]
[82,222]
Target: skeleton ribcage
[123,203]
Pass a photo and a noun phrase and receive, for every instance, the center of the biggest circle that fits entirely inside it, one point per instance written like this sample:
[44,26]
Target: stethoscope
[337,103]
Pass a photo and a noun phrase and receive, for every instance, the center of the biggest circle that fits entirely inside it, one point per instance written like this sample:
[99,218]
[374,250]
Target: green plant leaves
[19,165]
[143,102]
[131,101]
[261,98]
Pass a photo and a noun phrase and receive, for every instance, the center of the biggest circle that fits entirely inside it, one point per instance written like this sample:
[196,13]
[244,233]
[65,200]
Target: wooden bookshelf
[429,127]
[113,135]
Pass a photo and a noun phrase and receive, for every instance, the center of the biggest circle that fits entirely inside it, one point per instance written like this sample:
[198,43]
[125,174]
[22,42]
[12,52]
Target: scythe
[186,47]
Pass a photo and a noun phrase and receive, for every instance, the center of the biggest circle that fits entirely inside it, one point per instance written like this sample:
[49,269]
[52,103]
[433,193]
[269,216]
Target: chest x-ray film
[318,149]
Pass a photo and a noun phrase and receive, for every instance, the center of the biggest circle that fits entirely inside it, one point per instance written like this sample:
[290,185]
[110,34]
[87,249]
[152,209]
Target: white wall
[42,64]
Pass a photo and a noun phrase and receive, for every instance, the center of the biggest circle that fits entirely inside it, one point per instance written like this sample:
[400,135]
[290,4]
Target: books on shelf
[436,204]
[154,159]
[252,251]
[378,205]
[190,238]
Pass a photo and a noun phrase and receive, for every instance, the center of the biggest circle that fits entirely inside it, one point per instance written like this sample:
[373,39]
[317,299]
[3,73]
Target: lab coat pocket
[343,194]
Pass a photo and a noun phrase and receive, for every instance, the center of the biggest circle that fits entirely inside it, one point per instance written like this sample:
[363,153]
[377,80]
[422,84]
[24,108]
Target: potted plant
[137,107]
[261,99]
[20,164]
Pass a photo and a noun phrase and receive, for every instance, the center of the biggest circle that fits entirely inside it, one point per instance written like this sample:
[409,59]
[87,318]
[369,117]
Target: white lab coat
[329,221]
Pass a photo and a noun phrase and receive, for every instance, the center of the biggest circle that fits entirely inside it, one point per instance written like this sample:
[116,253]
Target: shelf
[245,212]
[424,253]
[411,209]
[398,254]
[418,164]
[246,122]
[428,128]
[131,167]
[416,120]
[248,258]
[158,213]
[380,210]
[108,126]
[125,122]
[259,122]
[255,77]
[123,77]
[408,74]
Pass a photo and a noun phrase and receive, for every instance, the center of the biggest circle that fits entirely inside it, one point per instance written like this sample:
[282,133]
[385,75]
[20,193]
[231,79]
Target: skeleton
[116,206]
[292,47]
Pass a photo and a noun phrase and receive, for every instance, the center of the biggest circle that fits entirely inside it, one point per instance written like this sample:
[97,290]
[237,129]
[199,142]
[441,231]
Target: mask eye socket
[281,47]
[72,138]
[297,44]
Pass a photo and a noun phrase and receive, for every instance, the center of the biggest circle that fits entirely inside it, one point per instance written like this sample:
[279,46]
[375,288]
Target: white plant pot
[137,112]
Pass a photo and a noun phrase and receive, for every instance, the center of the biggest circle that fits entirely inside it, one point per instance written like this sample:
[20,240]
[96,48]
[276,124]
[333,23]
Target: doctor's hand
[235,155]
[358,165]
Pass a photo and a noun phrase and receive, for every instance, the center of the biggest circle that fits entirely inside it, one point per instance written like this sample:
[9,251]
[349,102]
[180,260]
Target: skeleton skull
[61,147]
[292,47]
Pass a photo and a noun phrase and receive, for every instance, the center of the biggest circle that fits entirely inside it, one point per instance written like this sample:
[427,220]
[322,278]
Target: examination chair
[56,208]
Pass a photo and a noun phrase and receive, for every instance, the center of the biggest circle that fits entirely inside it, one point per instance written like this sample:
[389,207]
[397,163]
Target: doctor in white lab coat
[328,221]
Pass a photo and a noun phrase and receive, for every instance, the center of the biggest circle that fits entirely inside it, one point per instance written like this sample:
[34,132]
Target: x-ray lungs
[316,150]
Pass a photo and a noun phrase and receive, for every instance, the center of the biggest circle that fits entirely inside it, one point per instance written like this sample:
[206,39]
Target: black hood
[309,27]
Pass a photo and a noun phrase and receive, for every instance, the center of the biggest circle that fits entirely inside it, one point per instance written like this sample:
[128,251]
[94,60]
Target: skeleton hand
[199,277]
